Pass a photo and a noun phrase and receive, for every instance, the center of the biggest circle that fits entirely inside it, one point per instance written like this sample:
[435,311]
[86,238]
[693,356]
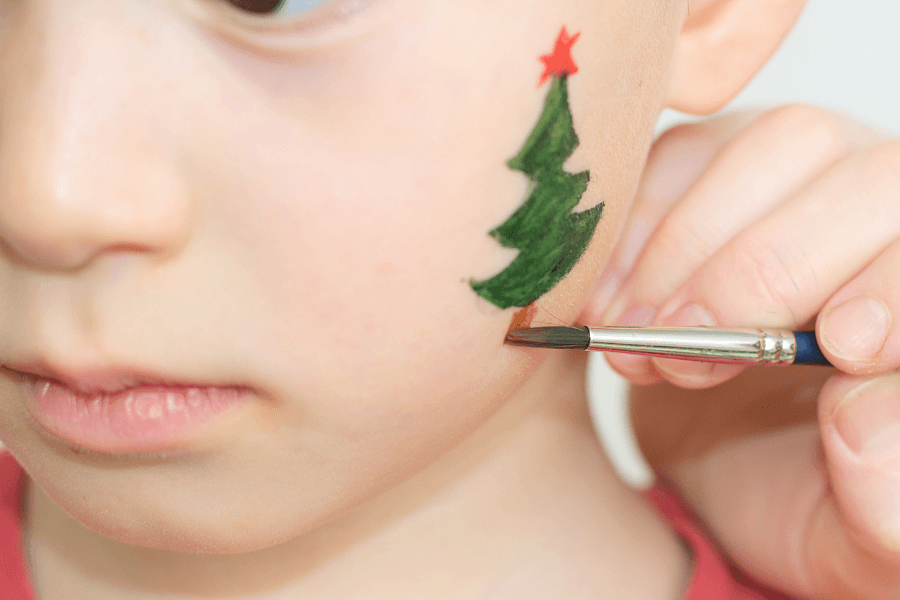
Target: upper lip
[95,380]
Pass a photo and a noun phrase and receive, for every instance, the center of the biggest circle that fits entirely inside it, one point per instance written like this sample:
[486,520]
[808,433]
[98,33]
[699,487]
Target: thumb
[853,546]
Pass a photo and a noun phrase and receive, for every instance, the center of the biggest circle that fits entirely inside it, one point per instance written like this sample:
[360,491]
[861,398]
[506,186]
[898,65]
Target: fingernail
[868,419]
[598,299]
[607,288]
[633,243]
[641,315]
[689,315]
[857,329]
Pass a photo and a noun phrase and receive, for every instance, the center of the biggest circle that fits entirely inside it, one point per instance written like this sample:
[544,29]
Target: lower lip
[143,419]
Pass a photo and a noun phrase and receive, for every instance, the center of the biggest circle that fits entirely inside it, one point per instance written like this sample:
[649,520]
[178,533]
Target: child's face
[299,210]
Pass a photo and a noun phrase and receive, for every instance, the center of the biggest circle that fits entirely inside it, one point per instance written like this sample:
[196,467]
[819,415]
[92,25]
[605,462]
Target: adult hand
[782,218]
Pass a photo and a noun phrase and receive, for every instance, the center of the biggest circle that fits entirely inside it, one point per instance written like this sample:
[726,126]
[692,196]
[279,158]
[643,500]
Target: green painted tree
[550,237]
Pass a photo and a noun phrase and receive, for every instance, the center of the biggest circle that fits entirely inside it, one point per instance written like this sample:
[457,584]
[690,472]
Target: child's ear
[722,45]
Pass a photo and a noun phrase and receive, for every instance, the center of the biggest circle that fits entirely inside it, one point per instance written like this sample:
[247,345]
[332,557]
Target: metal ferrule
[738,346]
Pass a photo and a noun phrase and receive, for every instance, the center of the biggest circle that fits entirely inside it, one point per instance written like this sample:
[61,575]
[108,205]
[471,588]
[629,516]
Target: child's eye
[284,8]
[278,24]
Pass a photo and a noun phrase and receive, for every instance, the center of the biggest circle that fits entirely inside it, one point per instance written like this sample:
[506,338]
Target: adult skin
[801,495]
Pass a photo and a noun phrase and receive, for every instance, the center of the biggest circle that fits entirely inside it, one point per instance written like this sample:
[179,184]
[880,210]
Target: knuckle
[886,162]
[678,237]
[713,131]
[800,112]
[737,119]
[821,128]
[769,275]
[682,139]
[672,254]
[877,183]
[679,134]
[674,162]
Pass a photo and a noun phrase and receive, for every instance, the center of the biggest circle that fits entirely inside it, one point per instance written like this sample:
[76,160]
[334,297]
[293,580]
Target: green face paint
[551,239]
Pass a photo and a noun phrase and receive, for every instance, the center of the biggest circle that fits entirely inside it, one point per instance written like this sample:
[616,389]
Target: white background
[841,55]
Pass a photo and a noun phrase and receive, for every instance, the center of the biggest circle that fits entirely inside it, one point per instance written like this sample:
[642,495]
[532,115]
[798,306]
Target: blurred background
[842,55]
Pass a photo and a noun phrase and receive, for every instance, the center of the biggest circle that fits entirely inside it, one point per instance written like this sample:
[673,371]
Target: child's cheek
[361,229]
[366,233]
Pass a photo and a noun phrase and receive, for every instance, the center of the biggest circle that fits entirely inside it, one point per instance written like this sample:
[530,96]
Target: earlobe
[722,45]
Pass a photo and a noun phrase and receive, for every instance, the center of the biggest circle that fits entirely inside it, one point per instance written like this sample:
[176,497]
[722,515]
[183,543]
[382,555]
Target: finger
[790,145]
[676,160]
[634,368]
[756,496]
[857,327]
[673,424]
[767,501]
[730,196]
[854,537]
[781,271]
[678,244]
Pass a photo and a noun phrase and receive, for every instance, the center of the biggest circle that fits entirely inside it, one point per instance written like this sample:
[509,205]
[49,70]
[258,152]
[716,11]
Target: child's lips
[106,380]
[123,411]
[138,419]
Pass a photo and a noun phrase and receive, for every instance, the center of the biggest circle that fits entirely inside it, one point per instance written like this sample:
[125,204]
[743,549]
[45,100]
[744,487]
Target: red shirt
[713,579]
[14,581]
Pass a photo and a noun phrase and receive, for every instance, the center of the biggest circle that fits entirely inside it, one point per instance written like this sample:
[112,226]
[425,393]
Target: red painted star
[560,63]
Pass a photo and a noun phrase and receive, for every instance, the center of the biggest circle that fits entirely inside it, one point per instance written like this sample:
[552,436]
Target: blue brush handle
[808,352]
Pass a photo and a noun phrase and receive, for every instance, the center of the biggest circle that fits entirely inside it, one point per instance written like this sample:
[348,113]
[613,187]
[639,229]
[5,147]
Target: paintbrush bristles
[576,338]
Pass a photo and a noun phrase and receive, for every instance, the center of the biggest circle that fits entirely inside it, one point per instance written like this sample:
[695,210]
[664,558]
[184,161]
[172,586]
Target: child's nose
[86,160]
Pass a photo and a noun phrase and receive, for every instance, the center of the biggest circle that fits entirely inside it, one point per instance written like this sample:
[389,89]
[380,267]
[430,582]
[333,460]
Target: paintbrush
[705,344]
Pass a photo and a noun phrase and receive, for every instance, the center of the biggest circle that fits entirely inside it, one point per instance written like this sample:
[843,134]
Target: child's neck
[526,507]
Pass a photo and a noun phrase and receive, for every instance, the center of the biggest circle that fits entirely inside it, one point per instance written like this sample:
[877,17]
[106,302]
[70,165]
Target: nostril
[45,256]
[68,231]
[45,242]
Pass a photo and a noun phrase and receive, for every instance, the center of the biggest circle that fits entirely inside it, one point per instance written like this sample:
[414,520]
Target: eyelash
[257,6]
[261,9]
[325,22]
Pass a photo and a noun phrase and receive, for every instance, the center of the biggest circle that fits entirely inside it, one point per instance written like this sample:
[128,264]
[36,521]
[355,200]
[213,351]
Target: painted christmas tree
[550,237]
